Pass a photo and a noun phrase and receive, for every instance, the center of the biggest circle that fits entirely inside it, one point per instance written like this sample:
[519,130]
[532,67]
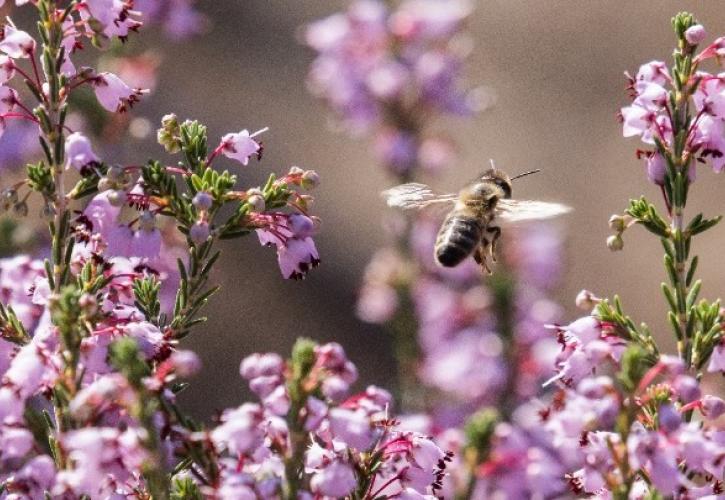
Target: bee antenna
[526,173]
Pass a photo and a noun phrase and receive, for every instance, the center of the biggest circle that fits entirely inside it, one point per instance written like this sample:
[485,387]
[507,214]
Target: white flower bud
[586,300]
[615,242]
[616,223]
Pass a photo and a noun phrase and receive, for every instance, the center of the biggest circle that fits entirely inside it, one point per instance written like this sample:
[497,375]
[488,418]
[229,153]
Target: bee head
[500,179]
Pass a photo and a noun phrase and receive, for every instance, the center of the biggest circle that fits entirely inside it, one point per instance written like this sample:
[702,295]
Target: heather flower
[8,99]
[113,94]
[241,146]
[336,479]
[16,43]
[717,358]
[78,151]
[178,18]
[695,34]
[372,59]
[240,430]
[7,69]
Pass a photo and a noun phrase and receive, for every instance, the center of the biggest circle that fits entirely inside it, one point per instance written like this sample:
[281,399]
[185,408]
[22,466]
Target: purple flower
[240,146]
[78,151]
[16,43]
[113,94]
[334,480]
[695,34]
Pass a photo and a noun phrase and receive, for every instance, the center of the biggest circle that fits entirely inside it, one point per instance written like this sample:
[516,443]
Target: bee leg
[479,256]
[496,232]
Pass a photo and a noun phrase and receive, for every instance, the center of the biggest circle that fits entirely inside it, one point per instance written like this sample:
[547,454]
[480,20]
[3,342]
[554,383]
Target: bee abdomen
[458,237]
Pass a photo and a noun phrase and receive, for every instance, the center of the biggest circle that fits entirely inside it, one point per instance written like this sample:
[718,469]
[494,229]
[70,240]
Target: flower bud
[713,407]
[255,199]
[186,363]
[203,200]
[169,134]
[199,232]
[116,198]
[616,223]
[296,171]
[88,303]
[656,169]
[586,300]
[104,184]
[695,34]
[310,179]
[669,418]
[615,242]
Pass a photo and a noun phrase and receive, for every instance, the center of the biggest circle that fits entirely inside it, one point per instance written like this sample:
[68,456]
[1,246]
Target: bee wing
[415,196]
[513,211]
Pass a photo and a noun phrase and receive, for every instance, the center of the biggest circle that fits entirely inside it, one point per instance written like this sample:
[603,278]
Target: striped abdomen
[459,235]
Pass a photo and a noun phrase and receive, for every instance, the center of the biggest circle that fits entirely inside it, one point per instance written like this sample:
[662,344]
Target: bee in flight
[478,211]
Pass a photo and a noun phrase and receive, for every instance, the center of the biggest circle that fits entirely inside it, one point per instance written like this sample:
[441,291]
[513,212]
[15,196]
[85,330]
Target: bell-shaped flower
[114,94]
[8,99]
[78,151]
[7,68]
[16,43]
[241,146]
[336,480]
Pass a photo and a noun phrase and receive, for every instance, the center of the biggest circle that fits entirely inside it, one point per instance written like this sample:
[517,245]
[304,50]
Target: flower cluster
[389,69]
[656,93]
[89,337]
[309,438]
[476,340]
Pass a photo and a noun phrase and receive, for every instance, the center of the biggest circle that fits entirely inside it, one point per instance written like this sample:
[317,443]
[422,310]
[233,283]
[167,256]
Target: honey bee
[473,226]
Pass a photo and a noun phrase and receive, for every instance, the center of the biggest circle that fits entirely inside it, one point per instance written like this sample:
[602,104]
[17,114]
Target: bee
[473,226]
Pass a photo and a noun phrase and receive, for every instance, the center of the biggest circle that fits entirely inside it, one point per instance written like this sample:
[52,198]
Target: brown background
[556,69]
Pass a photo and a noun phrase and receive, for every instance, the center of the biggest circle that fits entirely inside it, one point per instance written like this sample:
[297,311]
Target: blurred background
[556,70]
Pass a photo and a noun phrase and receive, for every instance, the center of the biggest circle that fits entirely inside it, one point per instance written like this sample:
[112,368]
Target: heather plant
[624,420]
[91,353]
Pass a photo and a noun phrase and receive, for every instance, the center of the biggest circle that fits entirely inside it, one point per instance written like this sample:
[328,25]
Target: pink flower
[653,72]
[638,121]
[710,95]
[717,359]
[102,214]
[712,407]
[185,363]
[15,442]
[115,17]
[297,257]
[335,480]
[695,34]
[7,69]
[113,94]
[150,339]
[656,169]
[8,99]
[78,151]
[715,49]
[240,431]
[352,427]
[241,146]
[16,43]
[146,244]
